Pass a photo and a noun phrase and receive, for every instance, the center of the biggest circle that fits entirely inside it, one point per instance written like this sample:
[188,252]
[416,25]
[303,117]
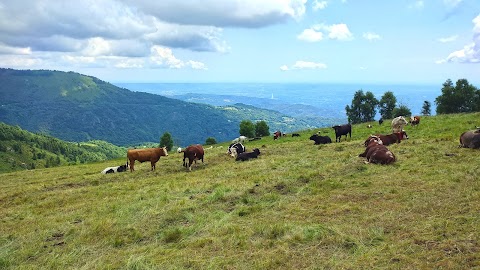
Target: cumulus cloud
[304,65]
[371,36]
[310,35]
[163,57]
[470,52]
[448,39]
[246,13]
[334,31]
[317,5]
[123,33]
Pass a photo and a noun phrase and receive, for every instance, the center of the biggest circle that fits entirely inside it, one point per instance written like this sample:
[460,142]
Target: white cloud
[121,33]
[310,35]
[371,36]
[14,50]
[246,13]
[448,39]
[317,5]
[470,52]
[334,31]
[196,65]
[339,31]
[304,65]
[163,57]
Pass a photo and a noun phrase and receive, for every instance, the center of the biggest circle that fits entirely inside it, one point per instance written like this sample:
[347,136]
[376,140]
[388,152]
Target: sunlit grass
[297,206]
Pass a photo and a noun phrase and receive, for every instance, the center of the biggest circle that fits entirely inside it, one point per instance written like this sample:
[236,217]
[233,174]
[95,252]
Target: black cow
[248,155]
[342,130]
[295,135]
[380,121]
[320,139]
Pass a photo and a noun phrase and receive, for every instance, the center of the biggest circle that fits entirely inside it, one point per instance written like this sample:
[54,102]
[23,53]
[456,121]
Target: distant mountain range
[76,107]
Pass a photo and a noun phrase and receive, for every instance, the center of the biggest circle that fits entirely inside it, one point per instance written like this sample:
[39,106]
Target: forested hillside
[20,149]
[75,107]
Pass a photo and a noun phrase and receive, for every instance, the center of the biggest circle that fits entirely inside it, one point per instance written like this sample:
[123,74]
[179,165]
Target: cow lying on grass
[121,168]
[396,137]
[320,139]
[248,155]
[235,149]
[146,154]
[470,139]
[378,153]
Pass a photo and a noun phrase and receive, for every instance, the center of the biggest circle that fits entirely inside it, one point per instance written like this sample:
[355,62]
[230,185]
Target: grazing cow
[235,148]
[146,154]
[342,130]
[380,121]
[396,137]
[470,139]
[378,153]
[398,123]
[248,155]
[122,168]
[414,120]
[320,139]
[193,153]
[277,134]
[295,135]
[240,139]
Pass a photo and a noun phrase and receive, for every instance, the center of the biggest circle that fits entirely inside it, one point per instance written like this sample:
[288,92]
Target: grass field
[298,206]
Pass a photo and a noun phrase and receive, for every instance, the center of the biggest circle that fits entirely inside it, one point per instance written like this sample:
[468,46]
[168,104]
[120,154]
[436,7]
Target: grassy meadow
[298,206]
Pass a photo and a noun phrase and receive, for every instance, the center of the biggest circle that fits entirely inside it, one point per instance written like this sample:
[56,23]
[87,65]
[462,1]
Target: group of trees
[364,107]
[463,97]
[250,130]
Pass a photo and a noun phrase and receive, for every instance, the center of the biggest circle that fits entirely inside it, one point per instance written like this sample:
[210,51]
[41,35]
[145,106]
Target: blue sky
[334,41]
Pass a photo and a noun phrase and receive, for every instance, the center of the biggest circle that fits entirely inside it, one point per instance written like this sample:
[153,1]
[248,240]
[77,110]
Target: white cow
[398,123]
[240,139]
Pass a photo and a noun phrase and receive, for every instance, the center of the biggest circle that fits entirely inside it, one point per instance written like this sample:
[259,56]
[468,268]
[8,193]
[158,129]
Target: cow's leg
[132,163]
[153,165]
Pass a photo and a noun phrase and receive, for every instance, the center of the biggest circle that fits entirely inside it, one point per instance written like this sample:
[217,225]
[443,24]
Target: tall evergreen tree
[362,108]
[426,108]
[167,141]
[386,104]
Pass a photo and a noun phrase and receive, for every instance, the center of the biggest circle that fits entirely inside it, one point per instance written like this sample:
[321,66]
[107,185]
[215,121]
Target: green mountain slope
[297,206]
[20,150]
[76,107]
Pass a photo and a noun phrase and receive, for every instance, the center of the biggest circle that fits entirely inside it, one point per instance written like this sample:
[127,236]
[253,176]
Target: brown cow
[396,137]
[193,153]
[146,154]
[470,139]
[378,153]
[414,120]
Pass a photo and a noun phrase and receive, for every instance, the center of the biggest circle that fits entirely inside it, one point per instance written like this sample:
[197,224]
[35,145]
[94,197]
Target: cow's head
[165,152]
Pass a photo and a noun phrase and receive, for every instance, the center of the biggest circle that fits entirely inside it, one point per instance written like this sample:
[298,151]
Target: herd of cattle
[376,150]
